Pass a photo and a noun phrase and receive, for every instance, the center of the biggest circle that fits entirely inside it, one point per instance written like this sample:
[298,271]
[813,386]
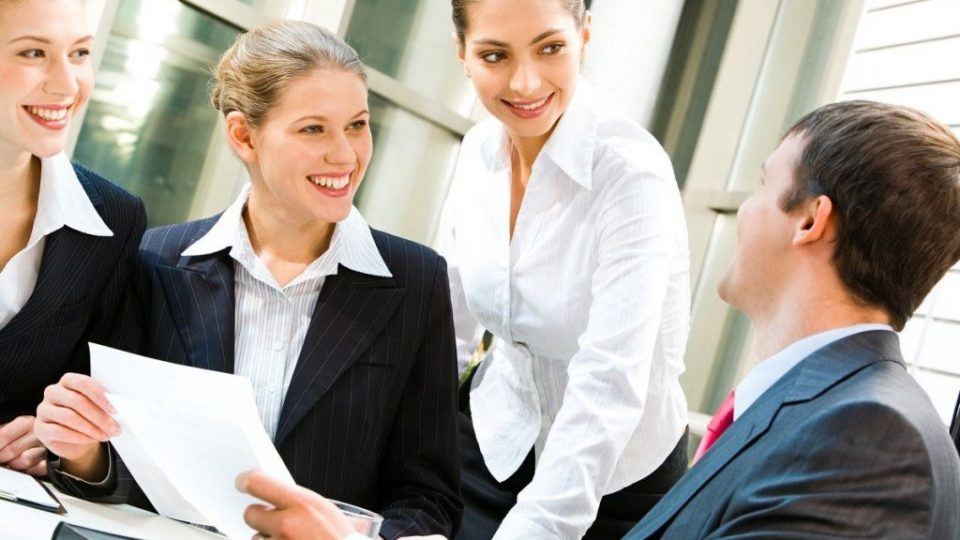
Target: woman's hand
[73,421]
[20,449]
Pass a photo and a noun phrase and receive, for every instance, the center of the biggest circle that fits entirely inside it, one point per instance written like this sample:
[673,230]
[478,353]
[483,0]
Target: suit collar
[812,377]
[352,244]
[768,372]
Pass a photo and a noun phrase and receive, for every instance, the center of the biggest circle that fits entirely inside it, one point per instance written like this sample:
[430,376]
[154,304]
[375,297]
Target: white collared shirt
[768,372]
[62,202]
[271,321]
[589,303]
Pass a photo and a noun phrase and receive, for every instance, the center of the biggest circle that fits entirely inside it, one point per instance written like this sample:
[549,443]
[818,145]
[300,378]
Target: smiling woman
[69,236]
[566,240]
[344,331]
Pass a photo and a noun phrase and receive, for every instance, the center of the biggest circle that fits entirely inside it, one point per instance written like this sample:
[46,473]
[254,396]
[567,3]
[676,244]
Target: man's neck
[790,324]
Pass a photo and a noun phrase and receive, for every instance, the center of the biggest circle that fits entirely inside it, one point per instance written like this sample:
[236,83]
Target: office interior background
[716,81]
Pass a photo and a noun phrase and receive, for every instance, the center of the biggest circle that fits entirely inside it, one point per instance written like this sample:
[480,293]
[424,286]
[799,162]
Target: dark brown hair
[893,175]
[575,7]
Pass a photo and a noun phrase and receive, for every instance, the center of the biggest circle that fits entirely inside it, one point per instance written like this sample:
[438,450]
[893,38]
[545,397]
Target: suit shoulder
[886,389]
[405,256]
[104,187]
[115,204]
[165,243]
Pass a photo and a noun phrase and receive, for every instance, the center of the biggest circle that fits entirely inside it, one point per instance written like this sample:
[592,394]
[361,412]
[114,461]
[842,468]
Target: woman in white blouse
[565,239]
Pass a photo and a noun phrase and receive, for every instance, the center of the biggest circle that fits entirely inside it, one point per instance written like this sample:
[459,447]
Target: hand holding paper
[185,434]
[73,421]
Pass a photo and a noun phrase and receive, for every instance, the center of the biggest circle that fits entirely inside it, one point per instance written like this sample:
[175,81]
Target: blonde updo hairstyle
[254,71]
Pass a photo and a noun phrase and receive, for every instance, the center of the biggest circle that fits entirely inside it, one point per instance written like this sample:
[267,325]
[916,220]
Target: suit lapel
[351,311]
[66,257]
[67,254]
[813,376]
[200,295]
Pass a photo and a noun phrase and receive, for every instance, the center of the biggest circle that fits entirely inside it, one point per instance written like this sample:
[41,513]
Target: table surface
[18,522]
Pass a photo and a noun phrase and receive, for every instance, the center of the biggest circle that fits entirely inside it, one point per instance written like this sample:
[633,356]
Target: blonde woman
[345,332]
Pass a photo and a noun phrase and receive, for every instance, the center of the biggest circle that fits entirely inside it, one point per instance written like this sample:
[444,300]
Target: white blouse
[589,305]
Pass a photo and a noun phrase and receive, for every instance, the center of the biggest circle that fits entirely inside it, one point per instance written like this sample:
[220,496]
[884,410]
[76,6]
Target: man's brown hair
[893,175]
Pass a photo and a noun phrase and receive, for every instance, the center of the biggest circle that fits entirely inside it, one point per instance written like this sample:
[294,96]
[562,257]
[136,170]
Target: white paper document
[185,434]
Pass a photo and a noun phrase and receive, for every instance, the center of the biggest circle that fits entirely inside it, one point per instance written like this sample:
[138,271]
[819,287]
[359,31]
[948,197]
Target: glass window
[410,41]
[406,183]
[149,124]
[719,333]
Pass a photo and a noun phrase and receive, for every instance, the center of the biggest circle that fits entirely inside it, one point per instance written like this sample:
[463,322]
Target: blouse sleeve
[467,327]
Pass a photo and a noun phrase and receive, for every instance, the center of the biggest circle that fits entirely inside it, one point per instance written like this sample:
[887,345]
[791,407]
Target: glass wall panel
[719,335]
[410,40]
[407,181]
[149,124]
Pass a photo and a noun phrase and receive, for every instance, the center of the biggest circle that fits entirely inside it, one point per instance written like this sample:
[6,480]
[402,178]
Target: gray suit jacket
[845,445]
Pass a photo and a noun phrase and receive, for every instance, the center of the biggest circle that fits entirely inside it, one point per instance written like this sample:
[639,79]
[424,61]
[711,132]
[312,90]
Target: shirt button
[273,389]
[277,345]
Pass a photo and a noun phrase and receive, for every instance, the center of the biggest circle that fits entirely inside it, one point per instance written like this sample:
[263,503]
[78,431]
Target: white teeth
[331,182]
[50,115]
[531,106]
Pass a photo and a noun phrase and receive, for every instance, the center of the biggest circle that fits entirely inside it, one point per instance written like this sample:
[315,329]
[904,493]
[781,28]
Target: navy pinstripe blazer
[370,415]
[75,300]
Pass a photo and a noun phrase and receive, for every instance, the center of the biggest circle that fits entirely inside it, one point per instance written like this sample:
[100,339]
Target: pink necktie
[718,424]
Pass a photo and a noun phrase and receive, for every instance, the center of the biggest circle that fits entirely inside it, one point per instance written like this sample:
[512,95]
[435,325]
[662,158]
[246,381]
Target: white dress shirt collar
[352,244]
[767,373]
[571,145]
[63,202]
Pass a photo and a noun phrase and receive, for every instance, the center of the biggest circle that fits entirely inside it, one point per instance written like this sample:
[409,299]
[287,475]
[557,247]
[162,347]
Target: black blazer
[75,300]
[845,445]
[370,415]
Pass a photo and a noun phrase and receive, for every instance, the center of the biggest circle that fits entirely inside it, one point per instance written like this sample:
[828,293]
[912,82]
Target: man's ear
[240,135]
[816,221]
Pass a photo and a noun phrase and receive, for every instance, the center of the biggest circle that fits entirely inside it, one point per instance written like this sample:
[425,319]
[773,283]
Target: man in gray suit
[856,219]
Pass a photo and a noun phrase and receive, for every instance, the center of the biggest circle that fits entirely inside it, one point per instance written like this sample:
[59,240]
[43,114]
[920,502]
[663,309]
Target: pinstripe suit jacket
[845,445]
[370,415]
[75,300]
